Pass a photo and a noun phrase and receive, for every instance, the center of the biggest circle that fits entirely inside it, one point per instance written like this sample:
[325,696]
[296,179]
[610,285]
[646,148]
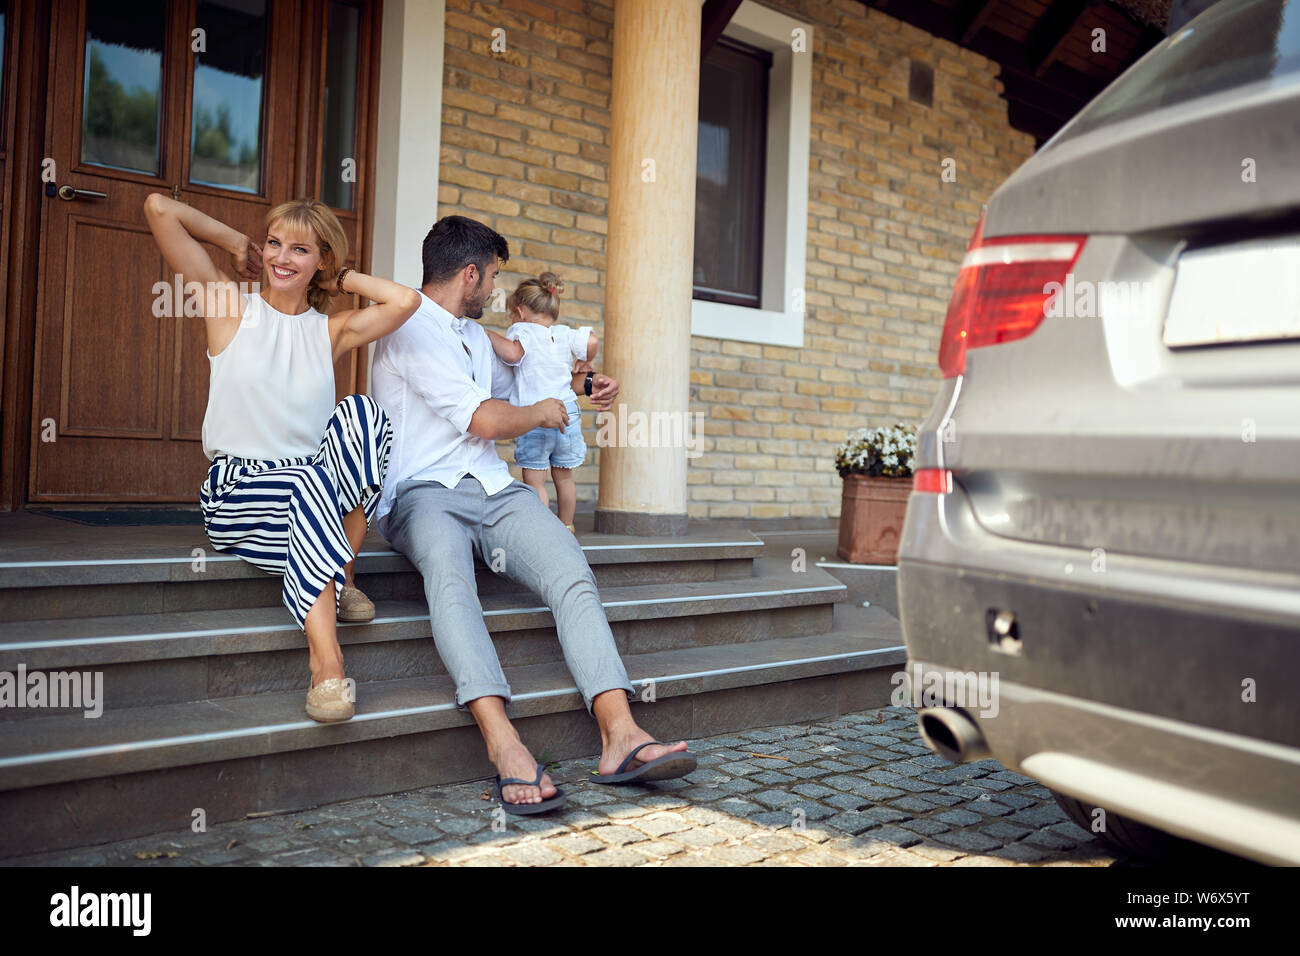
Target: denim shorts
[544,448]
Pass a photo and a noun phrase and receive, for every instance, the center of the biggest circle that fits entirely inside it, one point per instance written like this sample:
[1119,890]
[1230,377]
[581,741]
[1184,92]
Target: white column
[654,116]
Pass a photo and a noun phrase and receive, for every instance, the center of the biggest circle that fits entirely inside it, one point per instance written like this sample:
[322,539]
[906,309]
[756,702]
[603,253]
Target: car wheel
[1131,837]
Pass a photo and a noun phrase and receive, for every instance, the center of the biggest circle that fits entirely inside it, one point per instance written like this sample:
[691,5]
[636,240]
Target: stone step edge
[710,597]
[179,569]
[798,661]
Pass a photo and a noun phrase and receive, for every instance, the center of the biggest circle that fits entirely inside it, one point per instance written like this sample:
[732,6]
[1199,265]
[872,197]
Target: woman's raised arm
[179,231]
[394,304]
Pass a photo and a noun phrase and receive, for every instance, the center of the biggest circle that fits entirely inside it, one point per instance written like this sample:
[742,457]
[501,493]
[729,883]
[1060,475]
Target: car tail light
[935,481]
[1001,291]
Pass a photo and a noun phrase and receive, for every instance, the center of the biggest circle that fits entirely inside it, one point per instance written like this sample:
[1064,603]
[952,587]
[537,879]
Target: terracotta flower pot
[871,519]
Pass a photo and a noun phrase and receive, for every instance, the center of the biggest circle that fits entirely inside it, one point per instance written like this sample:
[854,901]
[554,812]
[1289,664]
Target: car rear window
[1234,43]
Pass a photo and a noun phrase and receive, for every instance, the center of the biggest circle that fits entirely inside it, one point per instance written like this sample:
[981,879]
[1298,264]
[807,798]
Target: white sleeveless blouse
[272,388]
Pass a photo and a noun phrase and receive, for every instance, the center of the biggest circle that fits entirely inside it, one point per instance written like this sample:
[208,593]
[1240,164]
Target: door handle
[70,193]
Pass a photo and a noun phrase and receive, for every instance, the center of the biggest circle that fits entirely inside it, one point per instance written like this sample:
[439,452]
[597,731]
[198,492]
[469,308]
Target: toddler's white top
[549,354]
[272,388]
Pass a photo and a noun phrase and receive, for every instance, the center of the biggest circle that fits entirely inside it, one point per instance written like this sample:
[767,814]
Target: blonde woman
[295,478]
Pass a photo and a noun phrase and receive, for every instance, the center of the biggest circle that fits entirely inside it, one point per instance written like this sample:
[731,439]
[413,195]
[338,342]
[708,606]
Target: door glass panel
[226,132]
[4,9]
[120,116]
[338,152]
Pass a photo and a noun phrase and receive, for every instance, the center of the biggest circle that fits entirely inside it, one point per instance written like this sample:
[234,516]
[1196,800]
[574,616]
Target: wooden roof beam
[1051,31]
[971,16]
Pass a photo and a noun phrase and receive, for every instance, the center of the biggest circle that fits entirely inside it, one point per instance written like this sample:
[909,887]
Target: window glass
[729,177]
[226,127]
[121,95]
[338,149]
[4,10]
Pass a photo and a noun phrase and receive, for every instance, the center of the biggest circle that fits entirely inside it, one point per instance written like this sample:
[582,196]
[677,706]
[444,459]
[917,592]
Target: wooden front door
[202,100]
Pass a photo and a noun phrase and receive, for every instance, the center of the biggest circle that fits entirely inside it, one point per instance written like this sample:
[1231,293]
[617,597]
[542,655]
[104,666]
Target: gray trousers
[442,529]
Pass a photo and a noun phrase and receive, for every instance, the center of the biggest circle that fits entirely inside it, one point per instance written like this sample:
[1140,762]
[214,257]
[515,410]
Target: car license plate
[1245,292]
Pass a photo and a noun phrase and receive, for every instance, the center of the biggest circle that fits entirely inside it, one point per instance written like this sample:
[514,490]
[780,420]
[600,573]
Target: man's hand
[603,391]
[553,414]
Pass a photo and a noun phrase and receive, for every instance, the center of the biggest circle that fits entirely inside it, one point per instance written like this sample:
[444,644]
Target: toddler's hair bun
[551,283]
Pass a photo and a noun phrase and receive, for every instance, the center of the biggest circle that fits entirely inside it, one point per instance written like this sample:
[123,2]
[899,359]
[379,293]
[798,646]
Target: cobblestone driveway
[860,789]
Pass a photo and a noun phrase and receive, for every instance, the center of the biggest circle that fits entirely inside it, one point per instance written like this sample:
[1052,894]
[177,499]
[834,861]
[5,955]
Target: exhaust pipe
[952,735]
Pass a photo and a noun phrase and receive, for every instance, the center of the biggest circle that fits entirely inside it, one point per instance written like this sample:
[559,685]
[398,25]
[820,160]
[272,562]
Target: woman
[295,479]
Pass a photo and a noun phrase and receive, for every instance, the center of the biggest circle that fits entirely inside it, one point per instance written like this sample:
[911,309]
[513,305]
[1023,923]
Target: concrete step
[179,571]
[180,656]
[67,781]
[876,584]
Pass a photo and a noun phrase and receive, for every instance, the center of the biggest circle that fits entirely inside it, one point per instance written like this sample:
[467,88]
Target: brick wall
[525,134]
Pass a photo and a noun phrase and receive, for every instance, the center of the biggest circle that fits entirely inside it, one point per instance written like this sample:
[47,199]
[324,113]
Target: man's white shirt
[430,376]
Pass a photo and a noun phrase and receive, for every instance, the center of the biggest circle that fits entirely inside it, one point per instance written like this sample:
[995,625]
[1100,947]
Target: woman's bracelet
[338,283]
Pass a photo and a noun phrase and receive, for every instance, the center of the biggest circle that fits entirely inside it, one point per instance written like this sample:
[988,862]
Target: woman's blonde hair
[312,215]
[538,295]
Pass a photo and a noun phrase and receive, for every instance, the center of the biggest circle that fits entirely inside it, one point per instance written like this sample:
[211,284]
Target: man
[449,497]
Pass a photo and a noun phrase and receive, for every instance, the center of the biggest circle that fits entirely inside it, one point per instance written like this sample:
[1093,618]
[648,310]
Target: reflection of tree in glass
[111,113]
[215,138]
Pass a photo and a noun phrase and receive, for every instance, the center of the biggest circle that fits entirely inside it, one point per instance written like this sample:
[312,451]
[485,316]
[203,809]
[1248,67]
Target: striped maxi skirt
[285,515]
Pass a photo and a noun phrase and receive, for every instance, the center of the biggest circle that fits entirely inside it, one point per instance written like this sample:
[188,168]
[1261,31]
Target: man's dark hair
[457,241]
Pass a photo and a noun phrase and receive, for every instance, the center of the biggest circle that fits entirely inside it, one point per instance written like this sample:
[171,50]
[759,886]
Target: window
[226,129]
[121,110]
[771,224]
[729,174]
[4,14]
[338,150]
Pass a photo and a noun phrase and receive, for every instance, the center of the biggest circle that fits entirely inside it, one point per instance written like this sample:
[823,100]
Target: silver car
[1099,575]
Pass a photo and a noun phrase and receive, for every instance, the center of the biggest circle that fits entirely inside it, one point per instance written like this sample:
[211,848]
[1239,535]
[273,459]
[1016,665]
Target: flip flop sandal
[667,767]
[525,809]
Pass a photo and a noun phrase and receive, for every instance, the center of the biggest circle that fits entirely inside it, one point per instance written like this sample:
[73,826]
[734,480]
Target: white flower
[888,450]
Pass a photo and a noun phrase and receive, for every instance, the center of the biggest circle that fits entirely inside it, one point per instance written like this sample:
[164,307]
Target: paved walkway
[860,789]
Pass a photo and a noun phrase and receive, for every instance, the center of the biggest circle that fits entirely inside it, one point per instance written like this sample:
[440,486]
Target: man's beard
[474,304]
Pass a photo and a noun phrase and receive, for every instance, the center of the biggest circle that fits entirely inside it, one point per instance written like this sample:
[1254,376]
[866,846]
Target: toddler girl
[546,371]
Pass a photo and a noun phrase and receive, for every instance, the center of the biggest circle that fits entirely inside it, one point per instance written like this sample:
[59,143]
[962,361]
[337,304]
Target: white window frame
[779,320]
